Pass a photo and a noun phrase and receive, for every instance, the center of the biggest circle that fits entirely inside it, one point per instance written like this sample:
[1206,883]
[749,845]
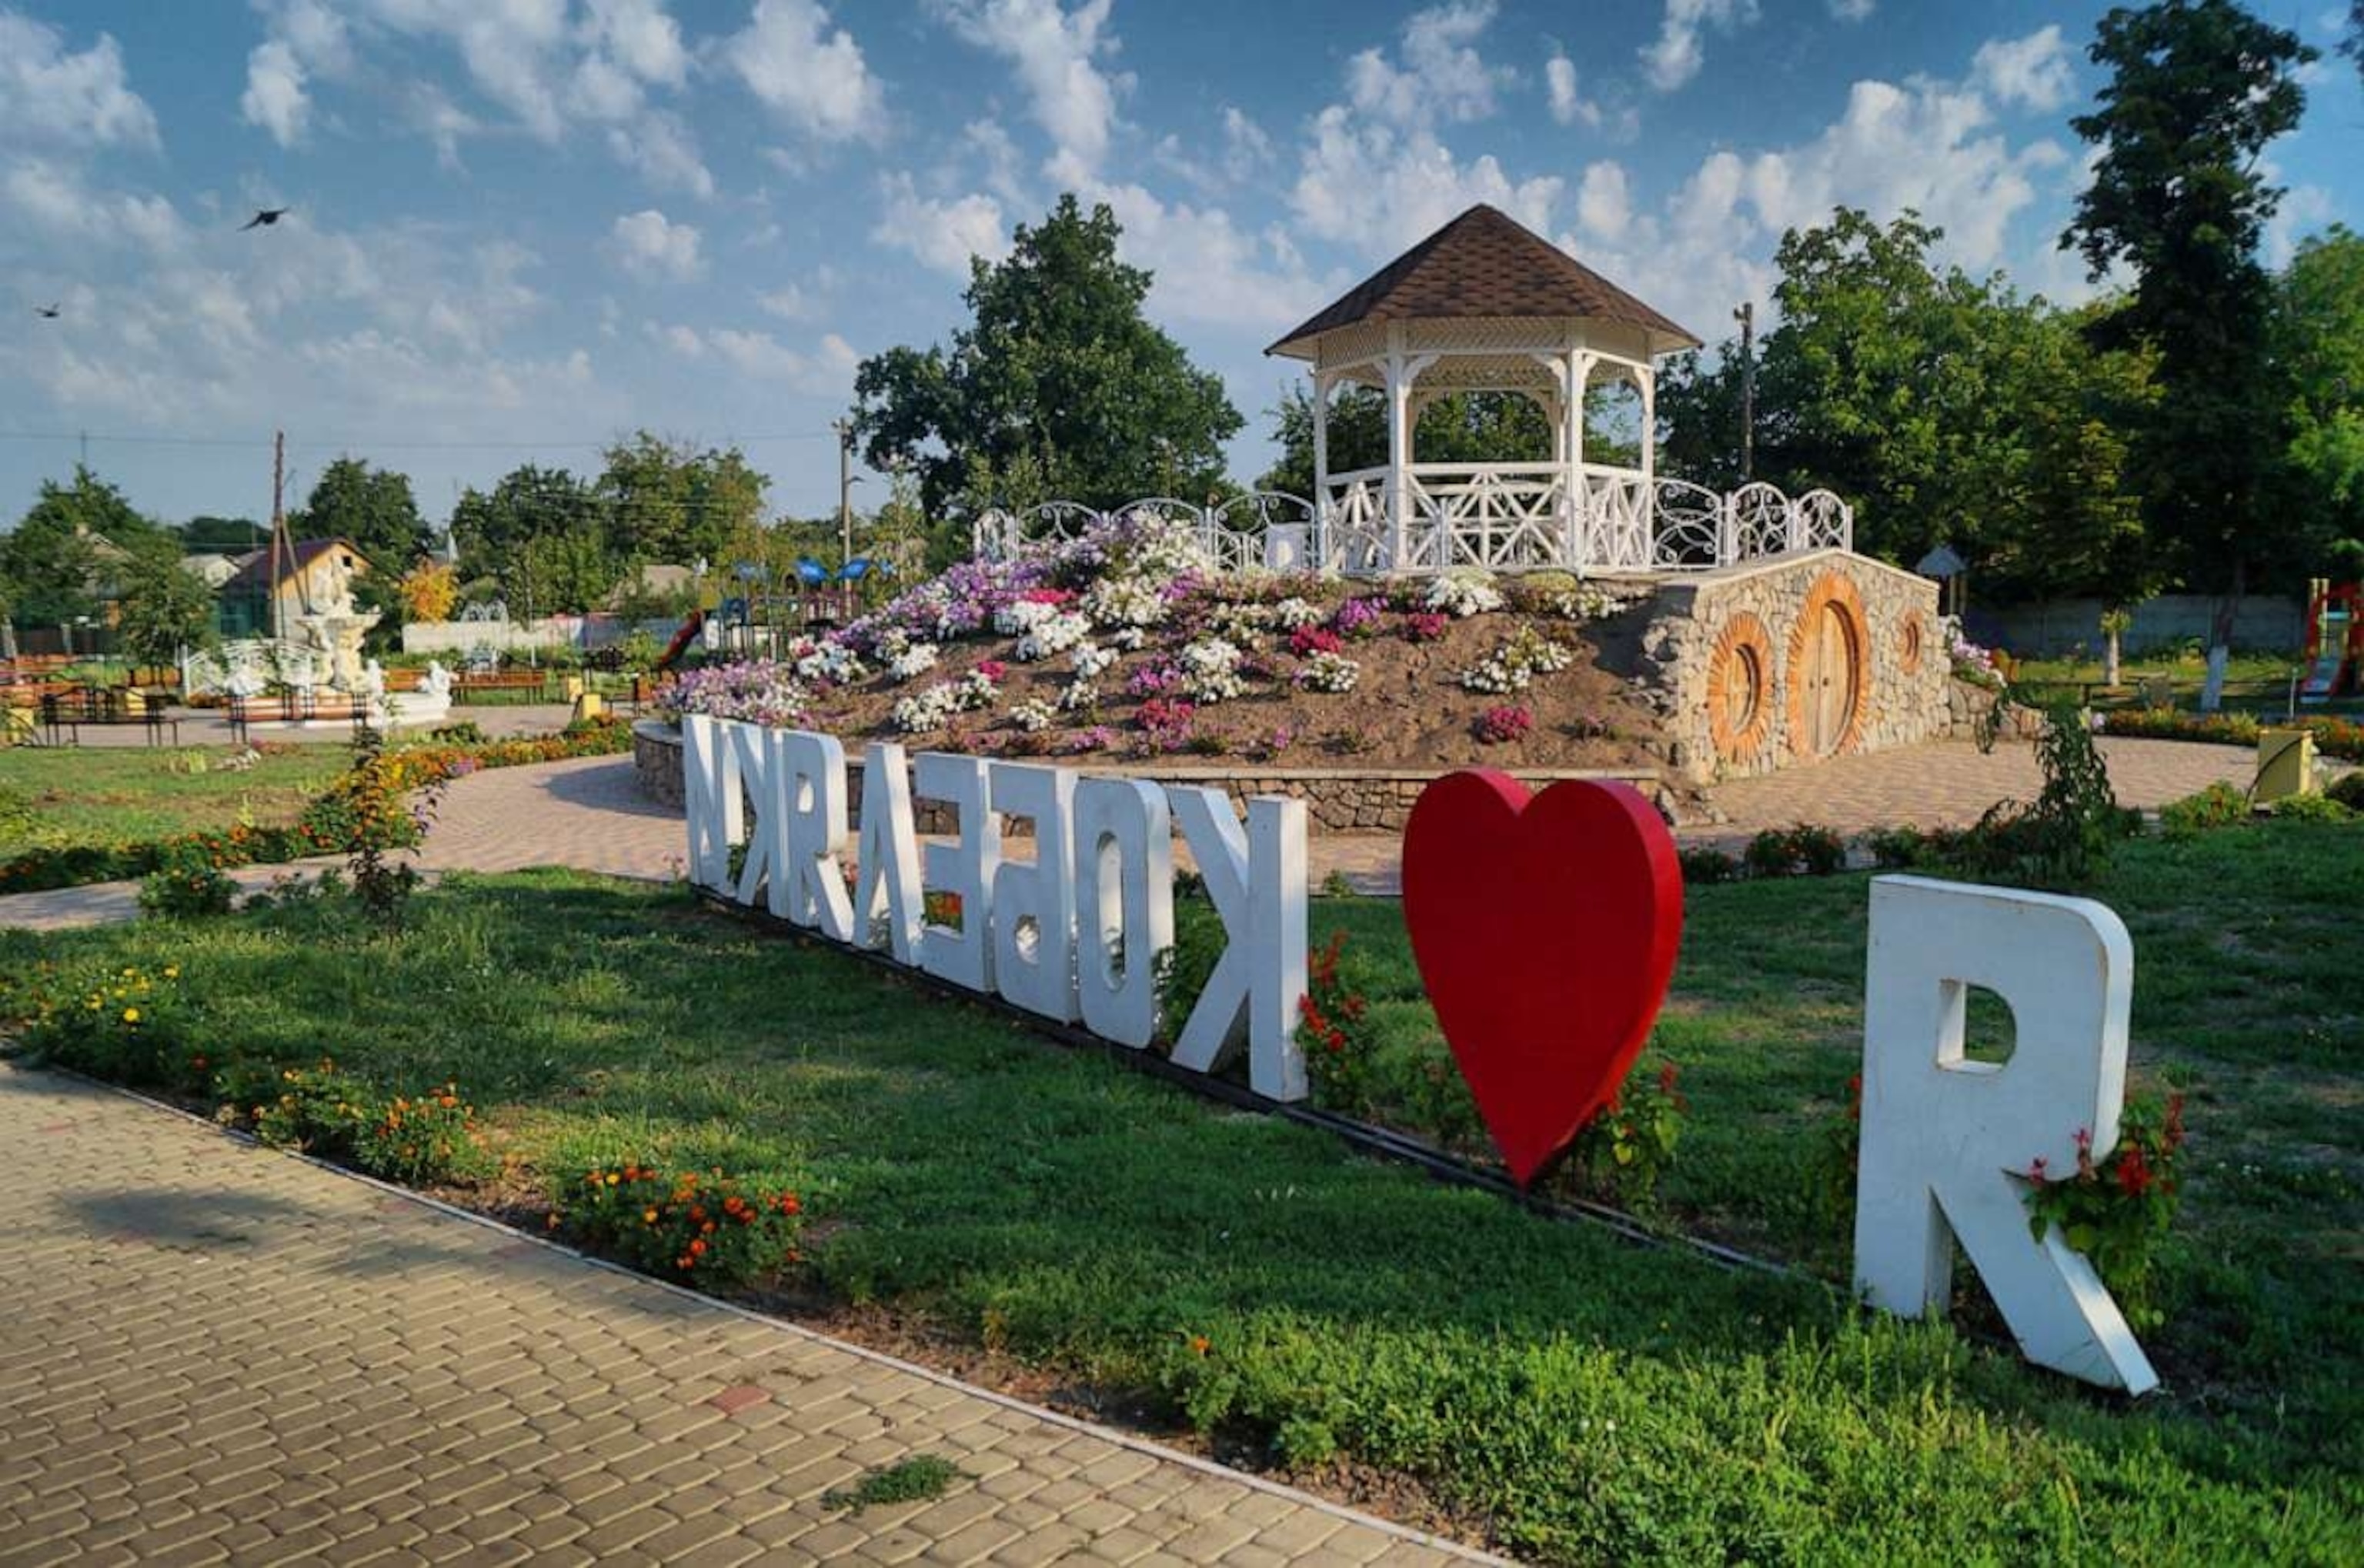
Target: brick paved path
[210,1353]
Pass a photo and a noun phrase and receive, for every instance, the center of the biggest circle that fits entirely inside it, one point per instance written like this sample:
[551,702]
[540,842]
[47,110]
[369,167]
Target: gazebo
[1485,304]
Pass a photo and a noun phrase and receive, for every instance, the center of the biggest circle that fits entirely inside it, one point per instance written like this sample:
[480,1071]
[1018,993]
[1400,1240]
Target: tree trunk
[2110,659]
[2220,641]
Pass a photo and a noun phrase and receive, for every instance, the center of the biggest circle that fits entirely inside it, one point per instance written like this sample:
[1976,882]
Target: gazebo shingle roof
[1485,263]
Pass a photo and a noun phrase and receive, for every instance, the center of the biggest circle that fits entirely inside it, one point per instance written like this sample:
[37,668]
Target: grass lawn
[1584,1398]
[89,795]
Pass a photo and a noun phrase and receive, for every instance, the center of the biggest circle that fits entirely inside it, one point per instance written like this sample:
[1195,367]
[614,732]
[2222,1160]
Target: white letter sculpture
[711,798]
[1123,849]
[1945,1138]
[1256,880]
[886,902]
[963,868]
[1034,904]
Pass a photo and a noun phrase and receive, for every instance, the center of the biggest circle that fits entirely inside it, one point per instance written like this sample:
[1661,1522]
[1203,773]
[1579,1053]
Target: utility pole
[844,429]
[1747,316]
[278,534]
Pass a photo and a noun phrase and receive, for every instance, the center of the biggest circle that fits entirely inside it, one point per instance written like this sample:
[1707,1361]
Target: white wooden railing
[1491,517]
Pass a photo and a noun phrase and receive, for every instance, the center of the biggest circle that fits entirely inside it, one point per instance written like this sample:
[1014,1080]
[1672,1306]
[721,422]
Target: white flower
[1329,673]
[830,662]
[1079,697]
[1034,714]
[1463,593]
[912,660]
[1090,659]
[1292,613]
[1125,601]
[1210,670]
[1054,633]
[1024,614]
[1127,639]
[932,707]
[1516,664]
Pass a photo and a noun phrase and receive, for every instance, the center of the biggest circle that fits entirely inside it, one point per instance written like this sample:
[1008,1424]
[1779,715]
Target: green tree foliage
[2197,90]
[162,608]
[65,555]
[1058,385]
[2319,348]
[668,500]
[372,507]
[538,533]
[1946,408]
[223,536]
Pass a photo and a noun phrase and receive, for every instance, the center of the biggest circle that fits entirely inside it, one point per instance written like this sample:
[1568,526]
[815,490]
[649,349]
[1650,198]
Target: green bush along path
[1582,1398]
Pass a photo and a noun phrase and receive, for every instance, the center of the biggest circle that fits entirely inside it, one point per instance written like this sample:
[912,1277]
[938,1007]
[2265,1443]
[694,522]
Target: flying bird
[48,312]
[264,218]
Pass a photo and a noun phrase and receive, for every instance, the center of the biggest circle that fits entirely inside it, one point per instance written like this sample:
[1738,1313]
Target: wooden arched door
[1826,671]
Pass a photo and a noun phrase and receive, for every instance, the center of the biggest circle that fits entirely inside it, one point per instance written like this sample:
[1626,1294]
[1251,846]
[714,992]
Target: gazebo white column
[1321,440]
[1399,394]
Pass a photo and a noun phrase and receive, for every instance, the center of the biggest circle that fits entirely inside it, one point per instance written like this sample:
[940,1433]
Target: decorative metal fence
[1496,517]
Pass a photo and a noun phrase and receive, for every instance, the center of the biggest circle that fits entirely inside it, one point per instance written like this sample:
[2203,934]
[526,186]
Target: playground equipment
[2335,642]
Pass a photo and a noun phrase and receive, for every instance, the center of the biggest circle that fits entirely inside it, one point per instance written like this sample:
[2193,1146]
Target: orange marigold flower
[1201,1344]
[696,1249]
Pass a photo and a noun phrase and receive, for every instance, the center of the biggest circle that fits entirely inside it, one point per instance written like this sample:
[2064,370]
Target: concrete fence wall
[506,635]
[2261,622]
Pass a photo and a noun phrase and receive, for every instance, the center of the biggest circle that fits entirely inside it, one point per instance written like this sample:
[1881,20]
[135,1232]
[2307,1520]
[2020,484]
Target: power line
[373,443]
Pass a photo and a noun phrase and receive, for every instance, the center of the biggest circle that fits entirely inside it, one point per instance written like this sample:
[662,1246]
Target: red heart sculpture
[1545,928]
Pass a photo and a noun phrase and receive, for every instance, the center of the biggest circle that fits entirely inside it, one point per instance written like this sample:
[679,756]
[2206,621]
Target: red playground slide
[681,639]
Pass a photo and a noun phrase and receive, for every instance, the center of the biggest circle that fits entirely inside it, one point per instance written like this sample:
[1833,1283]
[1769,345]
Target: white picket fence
[1491,516]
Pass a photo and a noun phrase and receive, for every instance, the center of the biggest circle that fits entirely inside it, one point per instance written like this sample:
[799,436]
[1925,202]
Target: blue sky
[522,227]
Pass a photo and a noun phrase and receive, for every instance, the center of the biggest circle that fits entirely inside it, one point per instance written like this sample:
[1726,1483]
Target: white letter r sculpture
[1944,1136]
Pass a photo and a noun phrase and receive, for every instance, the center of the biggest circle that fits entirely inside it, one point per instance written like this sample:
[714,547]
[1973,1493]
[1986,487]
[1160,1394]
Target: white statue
[437,687]
[373,682]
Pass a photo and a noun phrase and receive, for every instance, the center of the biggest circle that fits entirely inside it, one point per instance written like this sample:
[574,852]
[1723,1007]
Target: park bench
[64,713]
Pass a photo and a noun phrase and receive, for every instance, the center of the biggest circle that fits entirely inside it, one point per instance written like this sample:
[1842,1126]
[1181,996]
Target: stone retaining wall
[1726,659]
[1337,800]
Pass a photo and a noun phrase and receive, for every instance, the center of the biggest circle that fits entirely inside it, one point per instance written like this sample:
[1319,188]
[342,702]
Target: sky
[519,228]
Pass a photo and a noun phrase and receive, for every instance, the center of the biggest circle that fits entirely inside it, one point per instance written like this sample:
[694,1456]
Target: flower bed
[2339,738]
[1099,642]
[337,822]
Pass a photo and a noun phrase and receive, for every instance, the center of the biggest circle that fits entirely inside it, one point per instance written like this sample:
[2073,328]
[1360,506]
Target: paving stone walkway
[211,1353]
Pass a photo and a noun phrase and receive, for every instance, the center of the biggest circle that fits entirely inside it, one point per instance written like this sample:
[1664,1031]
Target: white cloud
[665,151]
[2032,73]
[812,77]
[640,36]
[49,93]
[827,371]
[1854,10]
[1604,206]
[1054,52]
[1205,267]
[1441,77]
[653,248]
[274,96]
[1246,149]
[1375,190]
[441,121]
[1567,105]
[942,234]
[52,200]
[1679,49]
[2304,210]
[999,155]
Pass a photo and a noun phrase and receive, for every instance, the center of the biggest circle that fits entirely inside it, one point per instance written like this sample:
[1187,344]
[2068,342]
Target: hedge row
[328,826]
[2340,738]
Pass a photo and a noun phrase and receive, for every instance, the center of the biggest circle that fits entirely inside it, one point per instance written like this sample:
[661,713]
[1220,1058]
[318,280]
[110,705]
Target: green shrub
[1899,848]
[127,1025]
[2347,790]
[1705,863]
[702,1226]
[189,884]
[2220,805]
[1803,850]
[2311,808]
[1630,1143]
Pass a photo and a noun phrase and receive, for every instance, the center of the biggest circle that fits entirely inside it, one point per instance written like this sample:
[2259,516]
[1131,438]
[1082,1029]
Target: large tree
[372,507]
[1059,386]
[2319,349]
[226,535]
[162,608]
[497,531]
[65,554]
[670,501]
[2197,90]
